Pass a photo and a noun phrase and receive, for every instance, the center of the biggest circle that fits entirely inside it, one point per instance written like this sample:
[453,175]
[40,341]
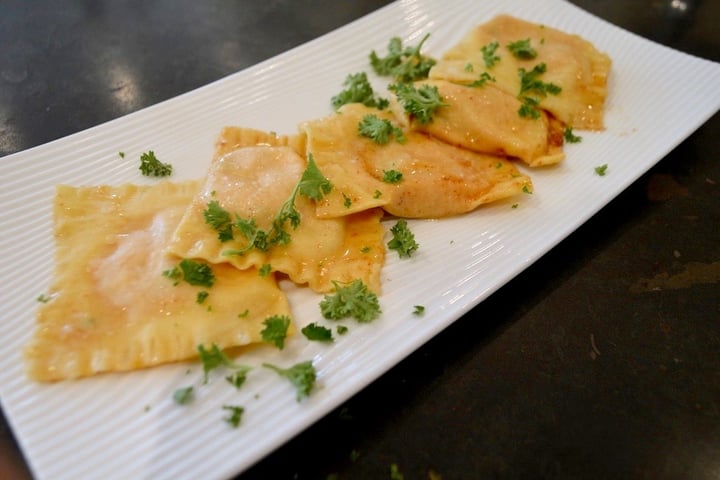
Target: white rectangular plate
[127,426]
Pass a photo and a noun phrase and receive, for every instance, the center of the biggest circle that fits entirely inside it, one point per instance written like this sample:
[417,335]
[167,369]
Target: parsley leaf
[420,103]
[201,297]
[532,89]
[238,376]
[302,375]
[522,49]
[358,90]
[275,331]
[403,64]
[212,359]
[601,170]
[196,273]
[220,220]
[183,395]
[488,52]
[193,272]
[392,176]
[418,310]
[403,239]
[317,333]
[351,300]
[380,129]
[150,166]
[235,414]
[570,137]
[482,80]
[312,184]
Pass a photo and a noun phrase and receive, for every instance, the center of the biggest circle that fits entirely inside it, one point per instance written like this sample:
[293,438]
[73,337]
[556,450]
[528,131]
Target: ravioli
[485,119]
[253,183]
[232,138]
[572,63]
[111,308]
[438,179]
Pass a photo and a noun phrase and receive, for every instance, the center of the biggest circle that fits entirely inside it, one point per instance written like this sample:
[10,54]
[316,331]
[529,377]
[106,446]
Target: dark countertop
[601,360]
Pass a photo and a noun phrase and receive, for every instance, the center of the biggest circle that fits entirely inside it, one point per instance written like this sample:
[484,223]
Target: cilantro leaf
[358,90]
[150,166]
[420,103]
[403,240]
[351,300]
[403,64]
[275,331]
[317,333]
[302,375]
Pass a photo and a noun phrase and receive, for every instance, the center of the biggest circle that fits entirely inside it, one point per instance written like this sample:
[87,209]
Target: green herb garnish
[403,240]
[150,166]
[358,90]
[275,331]
[302,375]
[522,49]
[380,130]
[351,300]
[420,103]
[317,333]
[403,64]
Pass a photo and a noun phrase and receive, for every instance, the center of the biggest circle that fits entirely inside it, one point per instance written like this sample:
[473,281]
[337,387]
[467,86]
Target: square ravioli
[112,307]
[253,184]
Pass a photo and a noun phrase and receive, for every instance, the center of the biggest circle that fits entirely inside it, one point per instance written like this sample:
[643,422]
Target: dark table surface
[569,371]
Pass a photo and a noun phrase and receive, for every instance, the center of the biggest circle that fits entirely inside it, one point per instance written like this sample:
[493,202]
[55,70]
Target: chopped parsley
[235,414]
[420,103]
[489,56]
[403,64]
[570,137]
[302,375]
[601,170]
[522,49]
[265,270]
[351,300]
[212,359]
[220,220]
[392,176]
[418,310]
[238,376]
[341,329]
[347,201]
[532,90]
[201,297]
[482,80]
[377,194]
[42,298]
[358,90]
[380,130]
[403,240]
[184,395]
[275,331]
[150,166]
[193,272]
[312,184]
[317,333]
